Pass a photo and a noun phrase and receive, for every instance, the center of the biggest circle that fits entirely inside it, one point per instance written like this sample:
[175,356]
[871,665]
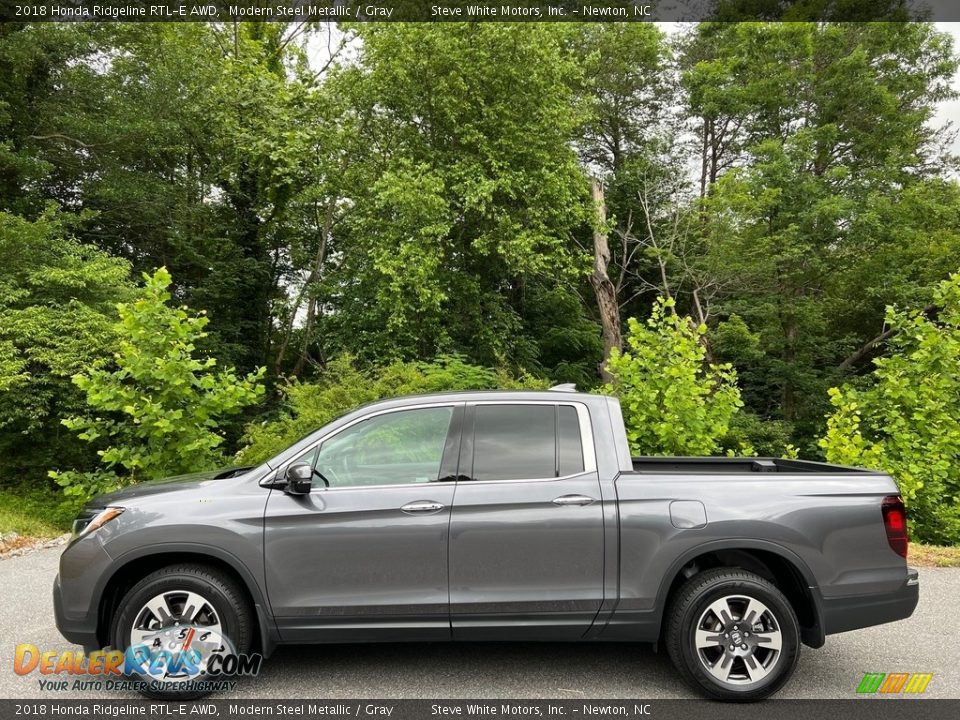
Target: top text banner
[478,11]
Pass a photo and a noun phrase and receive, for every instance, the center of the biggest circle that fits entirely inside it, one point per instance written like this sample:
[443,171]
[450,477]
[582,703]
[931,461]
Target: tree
[627,85]
[812,197]
[673,402]
[171,142]
[906,420]
[627,81]
[343,387]
[57,309]
[155,410]
[465,193]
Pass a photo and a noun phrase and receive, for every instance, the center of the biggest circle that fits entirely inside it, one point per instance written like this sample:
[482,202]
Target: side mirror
[299,479]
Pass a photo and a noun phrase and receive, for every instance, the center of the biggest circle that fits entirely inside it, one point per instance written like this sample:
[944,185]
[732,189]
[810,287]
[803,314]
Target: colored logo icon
[894,683]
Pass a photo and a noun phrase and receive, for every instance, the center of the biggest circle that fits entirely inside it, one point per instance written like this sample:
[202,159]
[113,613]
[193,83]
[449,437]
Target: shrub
[58,301]
[751,434]
[156,407]
[343,387]
[906,421]
[673,401]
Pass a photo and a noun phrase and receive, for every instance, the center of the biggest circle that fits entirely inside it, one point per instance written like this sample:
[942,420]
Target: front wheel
[733,635]
[174,621]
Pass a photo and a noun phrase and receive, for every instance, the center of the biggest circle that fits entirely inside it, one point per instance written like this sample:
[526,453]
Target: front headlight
[92,519]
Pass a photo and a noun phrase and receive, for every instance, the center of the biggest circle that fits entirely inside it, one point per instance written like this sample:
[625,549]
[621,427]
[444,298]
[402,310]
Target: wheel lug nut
[726,635]
[746,634]
[735,627]
[733,647]
[743,647]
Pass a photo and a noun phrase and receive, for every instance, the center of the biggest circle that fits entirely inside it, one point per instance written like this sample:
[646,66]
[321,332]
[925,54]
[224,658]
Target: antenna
[565,387]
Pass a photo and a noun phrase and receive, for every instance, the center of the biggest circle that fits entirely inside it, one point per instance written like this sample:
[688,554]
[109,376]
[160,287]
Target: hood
[165,485]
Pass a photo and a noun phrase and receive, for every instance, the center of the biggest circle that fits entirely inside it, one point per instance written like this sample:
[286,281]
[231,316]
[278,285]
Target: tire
[224,607]
[706,609]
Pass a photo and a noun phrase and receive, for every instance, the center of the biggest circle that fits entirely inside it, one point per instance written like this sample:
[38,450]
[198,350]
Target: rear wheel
[733,635]
[180,609]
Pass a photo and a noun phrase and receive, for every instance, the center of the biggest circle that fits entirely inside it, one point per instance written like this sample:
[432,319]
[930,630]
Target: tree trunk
[602,286]
[866,350]
[788,398]
[704,146]
[325,229]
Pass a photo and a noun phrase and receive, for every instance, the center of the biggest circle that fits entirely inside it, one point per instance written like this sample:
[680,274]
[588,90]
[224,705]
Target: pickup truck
[496,516]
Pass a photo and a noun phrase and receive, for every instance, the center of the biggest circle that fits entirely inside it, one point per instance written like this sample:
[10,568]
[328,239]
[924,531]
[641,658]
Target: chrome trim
[586,442]
[574,500]
[526,480]
[431,483]
[422,506]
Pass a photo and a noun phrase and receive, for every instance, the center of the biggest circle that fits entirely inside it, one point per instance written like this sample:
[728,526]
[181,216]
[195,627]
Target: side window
[309,457]
[569,444]
[514,442]
[391,449]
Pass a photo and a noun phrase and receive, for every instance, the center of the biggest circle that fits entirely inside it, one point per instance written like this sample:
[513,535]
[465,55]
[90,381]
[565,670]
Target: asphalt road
[927,642]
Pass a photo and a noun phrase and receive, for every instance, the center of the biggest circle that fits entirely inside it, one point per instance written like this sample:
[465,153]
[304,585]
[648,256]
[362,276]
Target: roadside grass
[933,555]
[40,512]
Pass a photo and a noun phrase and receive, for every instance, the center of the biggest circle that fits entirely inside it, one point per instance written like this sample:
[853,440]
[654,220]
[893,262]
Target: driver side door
[363,556]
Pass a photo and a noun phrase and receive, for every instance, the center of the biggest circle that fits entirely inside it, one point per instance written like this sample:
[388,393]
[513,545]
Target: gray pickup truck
[497,516]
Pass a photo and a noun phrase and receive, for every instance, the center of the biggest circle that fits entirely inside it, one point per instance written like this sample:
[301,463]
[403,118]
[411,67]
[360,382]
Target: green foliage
[821,197]
[906,421]
[750,434]
[673,402]
[424,194]
[157,407]
[36,511]
[57,309]
[470,193]
[627,84]
[344,387]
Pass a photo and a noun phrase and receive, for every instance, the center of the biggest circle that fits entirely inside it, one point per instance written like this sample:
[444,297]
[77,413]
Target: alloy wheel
[738,640]
[177,620]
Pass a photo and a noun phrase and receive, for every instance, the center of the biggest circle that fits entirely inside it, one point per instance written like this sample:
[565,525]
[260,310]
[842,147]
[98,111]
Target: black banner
[478,11]
[352,709]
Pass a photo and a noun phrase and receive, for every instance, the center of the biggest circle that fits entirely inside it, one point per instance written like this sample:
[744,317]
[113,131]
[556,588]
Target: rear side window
[524,442]
[569,447]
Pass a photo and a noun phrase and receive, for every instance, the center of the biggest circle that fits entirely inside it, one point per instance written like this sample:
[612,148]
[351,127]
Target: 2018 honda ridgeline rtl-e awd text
[498,516]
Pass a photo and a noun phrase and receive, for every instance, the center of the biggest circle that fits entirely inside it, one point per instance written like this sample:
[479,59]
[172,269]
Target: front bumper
[860,611]
[78,588]
[79,631]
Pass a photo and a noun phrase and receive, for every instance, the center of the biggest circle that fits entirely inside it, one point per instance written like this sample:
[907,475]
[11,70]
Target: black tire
[732,588]
[223,593]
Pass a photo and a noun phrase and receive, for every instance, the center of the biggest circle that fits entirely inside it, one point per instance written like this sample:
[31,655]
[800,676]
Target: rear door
[526,531]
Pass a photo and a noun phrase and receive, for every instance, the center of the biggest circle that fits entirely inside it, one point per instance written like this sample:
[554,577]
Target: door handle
[422,506]
[574,500]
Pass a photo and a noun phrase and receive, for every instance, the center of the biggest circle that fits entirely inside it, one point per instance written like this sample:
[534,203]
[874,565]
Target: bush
[906,422]
[36,511]
[343,387]
[58,306]
[673,402]
[156,407]
[751,434]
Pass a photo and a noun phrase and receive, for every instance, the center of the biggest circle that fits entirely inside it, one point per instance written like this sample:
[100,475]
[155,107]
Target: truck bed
[735,466]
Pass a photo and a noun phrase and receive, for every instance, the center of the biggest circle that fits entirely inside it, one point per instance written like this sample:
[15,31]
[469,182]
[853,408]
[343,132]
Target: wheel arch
[773,562]
[133,566]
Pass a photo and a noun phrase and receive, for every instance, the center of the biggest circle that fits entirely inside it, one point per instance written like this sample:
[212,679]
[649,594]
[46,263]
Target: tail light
[895,523]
